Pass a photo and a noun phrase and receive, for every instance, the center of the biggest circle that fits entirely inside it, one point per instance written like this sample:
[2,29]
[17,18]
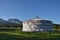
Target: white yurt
[37,25]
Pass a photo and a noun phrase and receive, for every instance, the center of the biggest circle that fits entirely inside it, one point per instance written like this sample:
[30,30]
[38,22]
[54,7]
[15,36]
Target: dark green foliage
[56,26]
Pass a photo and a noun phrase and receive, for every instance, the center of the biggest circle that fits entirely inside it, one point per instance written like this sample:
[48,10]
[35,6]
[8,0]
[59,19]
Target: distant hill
[17,21]
[10,23]
[2,20]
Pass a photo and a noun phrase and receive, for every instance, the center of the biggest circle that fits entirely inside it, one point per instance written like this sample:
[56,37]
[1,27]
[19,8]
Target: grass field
[17,34]
[28,36]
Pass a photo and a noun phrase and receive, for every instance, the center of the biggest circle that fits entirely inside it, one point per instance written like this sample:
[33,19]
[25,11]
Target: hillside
[10,23]
[17,21]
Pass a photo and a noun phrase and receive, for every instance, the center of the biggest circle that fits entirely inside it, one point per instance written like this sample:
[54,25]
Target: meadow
[8,34]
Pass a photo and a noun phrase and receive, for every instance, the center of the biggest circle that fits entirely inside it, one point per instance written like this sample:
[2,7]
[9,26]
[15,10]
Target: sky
[28,9]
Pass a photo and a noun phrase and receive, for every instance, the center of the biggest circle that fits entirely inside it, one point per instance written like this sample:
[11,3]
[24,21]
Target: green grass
[28,36]
[16,34]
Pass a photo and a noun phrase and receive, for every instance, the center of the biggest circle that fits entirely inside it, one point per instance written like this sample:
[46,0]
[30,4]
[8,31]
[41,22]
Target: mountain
[10,23]
[2,20]
[17,21]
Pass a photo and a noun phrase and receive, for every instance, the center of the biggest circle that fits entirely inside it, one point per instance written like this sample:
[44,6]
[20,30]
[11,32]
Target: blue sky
[27,9]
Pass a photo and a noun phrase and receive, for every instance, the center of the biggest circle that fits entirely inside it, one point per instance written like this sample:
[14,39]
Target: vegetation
[56,28]
[28,36]
[17,34]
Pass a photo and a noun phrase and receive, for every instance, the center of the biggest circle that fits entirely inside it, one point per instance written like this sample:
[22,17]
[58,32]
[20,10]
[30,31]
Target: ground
[19,35]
